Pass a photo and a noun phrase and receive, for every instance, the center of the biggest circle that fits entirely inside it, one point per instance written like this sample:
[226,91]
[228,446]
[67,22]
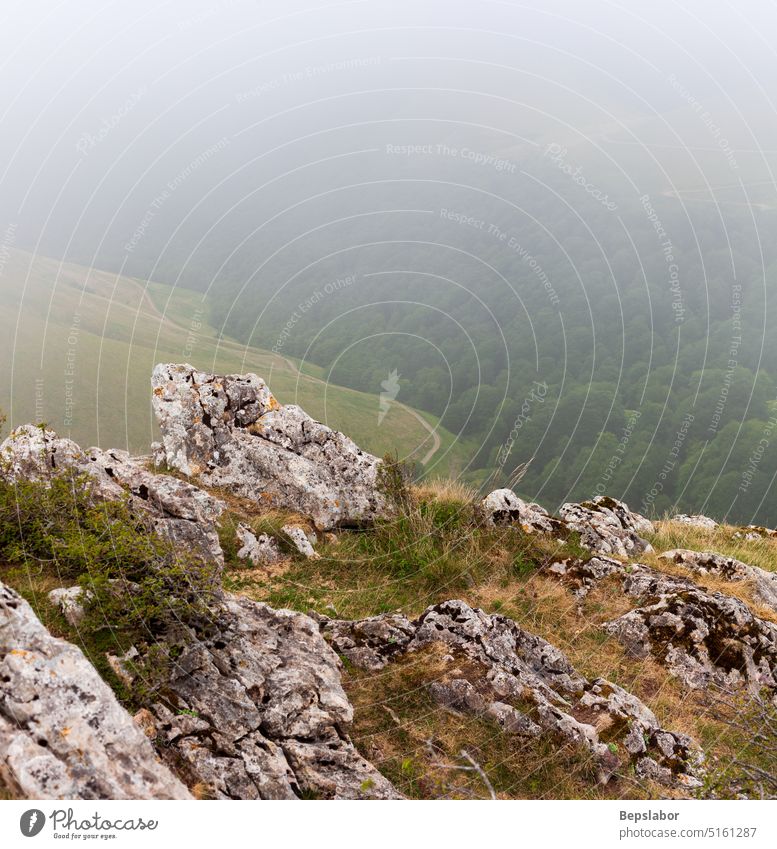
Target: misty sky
[105,104]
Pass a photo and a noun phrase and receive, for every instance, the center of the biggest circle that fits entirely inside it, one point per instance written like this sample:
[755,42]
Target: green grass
[81,343]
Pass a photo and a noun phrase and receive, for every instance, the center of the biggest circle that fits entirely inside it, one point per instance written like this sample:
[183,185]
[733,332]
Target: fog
[479,198]
[104,103]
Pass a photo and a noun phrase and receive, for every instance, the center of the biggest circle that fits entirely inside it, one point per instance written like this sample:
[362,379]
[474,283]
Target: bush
[136,583]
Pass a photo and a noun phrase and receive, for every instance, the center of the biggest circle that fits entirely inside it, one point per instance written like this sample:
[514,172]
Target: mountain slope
[80,344]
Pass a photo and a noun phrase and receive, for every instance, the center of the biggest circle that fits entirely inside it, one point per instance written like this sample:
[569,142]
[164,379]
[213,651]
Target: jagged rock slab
[703,523]
[703,638]
[257,711]
[178,511]
[607,526]
[63,735]
[532,678]
[260,550]
[229,431]
[755,532]
[585,575]
[710,563]
[504,507]
[302,539]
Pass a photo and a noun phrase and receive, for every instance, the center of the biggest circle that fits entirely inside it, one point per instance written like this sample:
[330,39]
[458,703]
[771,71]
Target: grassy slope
[113,334]
[437,551]
[433,550]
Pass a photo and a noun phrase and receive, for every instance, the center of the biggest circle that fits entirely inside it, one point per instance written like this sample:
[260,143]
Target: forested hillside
[623,350]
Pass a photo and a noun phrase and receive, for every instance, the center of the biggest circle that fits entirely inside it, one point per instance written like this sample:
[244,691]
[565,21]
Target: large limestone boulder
[178,511]
[260,712]
[504,507]
[497,668]
[608,526]
[703,638]
[702,523]
[230,432]
[63,735]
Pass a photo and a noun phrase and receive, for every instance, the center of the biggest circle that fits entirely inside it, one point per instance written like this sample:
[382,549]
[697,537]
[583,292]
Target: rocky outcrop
[607,526]
[63,735]
[755,532]
[178,511]
[260,550]
[230,432]
[504,507]
[584,575]
[703,638]
[709,563]
[703,523]
[509,668]
[302,539]
[70,600]
[256,710]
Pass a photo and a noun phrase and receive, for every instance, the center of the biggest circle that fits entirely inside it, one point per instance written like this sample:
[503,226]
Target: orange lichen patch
[65,732]
[273,403]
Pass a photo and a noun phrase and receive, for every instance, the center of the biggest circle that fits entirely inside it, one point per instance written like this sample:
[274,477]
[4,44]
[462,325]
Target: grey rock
[70,602]
[703,523]
[370,643]
[63,735]
[703,638]
[585,575]
[710,563]
[504,507]
[301,540]
[272,714]
[260,550]
[229,431]
[607,526]
[525,673]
